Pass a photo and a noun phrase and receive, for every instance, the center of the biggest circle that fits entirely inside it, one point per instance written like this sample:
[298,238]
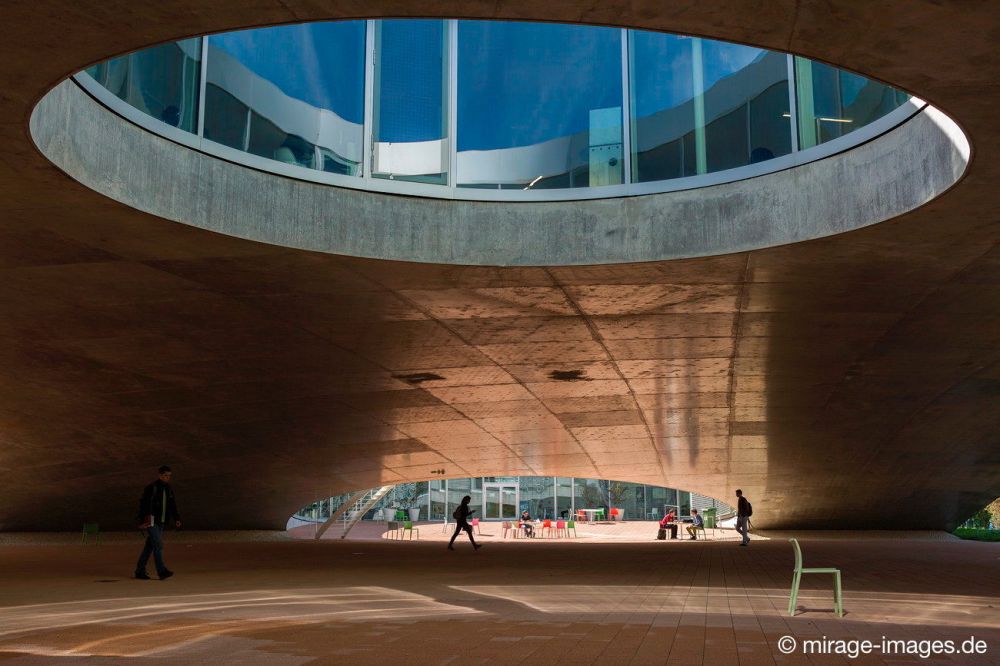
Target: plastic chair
[409,526]
[392,529]
[581,516]
[91,530]
[561,527]
[614,514]
[571,525]
[599,515]
[400,514]
[838,597]
[475,524]
[547,525]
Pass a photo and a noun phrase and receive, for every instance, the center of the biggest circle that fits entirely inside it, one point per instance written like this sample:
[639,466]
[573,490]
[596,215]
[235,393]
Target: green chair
[400,514]
[571,525]
[409,526]
[392,529]
[599,515]
[91,530]
[838,597]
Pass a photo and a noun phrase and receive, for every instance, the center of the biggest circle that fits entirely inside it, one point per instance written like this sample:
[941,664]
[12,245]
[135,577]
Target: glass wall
[450,107]
[539,105]
[410,129]
[832,102]
[293,94]
[544,497]
[162,81]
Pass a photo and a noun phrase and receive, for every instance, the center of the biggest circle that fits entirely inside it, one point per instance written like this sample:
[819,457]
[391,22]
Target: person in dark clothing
[743,512]
[529,529]
[461,516]
[668,523]
[157,510]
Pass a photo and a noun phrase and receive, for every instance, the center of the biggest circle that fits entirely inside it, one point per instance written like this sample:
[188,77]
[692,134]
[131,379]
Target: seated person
[668,524]
[529,529]
[696,522]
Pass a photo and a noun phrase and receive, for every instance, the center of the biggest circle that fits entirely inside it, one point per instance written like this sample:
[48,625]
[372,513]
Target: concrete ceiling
[851,381]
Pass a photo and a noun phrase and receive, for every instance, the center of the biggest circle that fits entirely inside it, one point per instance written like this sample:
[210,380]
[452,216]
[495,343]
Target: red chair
[560,528]
[507,525]
[475,523]
[547,525]
[581,516]
[614,514]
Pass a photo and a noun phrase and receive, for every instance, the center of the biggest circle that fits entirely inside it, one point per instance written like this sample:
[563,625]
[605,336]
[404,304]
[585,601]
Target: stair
[353,509]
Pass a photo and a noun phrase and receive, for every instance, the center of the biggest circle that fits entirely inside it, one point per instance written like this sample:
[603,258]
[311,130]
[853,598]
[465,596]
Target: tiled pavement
[300,601]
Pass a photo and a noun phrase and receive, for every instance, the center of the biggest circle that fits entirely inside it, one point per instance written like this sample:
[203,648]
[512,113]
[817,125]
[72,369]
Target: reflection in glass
[537,496]
[747,117]
[832,102]
[539,105]
[162,81]
[410,101]
[564,497]
[294,94]
[700,105]
[663,106]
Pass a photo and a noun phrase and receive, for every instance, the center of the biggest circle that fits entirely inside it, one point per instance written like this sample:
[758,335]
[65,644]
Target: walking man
[743,512]
[157,510]
[461,516]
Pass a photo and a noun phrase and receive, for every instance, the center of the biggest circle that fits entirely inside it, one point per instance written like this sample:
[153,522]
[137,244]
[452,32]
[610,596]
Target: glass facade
[504,498]
[832,102]
[539,105]
[162,81]
[410,120]
[491,109]
[293,94]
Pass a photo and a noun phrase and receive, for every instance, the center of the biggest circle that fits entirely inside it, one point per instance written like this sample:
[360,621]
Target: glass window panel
[161,81]
[437,500]
[746,108]
[410,101]
[564,496]
[294,94]
[832,102]
[537,495]
[662,89]
[590,495]
[539,105]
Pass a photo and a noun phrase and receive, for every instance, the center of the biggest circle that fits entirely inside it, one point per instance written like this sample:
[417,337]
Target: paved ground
[297,601]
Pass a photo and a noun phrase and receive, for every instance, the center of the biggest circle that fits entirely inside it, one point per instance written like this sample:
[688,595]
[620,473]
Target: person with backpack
[461,516]
[743,512]
[157,511]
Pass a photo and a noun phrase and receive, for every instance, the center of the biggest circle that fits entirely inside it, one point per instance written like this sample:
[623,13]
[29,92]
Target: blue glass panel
[410,114]
[294,94]
[832,102]
[747,116]
[539,105]
[162,81]
[663,106]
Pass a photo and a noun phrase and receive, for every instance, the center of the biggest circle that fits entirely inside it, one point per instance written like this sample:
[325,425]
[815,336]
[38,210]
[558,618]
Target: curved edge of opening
[888,175]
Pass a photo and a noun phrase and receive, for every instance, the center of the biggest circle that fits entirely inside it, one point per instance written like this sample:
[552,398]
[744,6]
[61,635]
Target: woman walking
[461,516]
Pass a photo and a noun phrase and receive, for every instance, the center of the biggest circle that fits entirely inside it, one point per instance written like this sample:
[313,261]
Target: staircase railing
[363,506]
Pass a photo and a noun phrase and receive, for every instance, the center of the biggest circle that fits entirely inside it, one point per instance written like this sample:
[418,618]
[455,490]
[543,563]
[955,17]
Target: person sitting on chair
[696,523]
[668,523]
[529,529]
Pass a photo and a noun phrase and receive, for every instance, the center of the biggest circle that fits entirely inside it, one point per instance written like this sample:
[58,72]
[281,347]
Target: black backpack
[749,509]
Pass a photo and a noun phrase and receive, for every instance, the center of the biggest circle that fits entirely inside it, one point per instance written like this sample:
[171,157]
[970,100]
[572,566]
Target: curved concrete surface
[850,381]
[885,177]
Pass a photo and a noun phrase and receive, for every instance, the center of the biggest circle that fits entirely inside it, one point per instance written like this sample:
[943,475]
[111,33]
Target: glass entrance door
[499,501]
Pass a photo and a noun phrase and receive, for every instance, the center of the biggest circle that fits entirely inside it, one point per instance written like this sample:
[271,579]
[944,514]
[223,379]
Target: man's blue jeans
[154,546]
[743,528]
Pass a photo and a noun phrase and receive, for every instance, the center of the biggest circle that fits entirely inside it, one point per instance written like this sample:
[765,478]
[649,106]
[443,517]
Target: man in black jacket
[157,510]
[743,512]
